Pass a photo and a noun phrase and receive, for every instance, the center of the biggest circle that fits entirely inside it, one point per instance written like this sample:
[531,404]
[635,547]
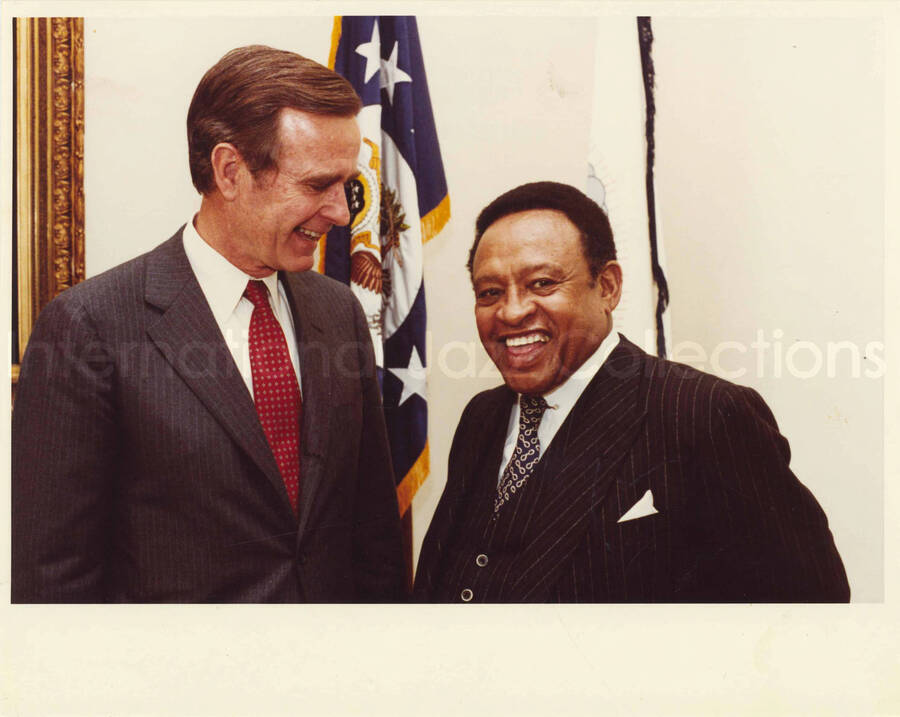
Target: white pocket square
[641,509]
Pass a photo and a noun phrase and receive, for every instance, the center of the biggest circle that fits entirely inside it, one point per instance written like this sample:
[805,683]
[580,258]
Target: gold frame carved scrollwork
[49,163]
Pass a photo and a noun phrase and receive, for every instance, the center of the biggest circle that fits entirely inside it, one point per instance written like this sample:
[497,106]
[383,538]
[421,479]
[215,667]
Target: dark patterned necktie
[276,392]
[527,451]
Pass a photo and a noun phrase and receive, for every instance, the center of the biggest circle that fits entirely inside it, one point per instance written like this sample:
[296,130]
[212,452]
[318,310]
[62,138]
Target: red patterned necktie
[275,389]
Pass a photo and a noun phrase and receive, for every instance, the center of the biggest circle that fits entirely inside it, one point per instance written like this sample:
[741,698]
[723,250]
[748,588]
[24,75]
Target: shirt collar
[565,395]
[223,284]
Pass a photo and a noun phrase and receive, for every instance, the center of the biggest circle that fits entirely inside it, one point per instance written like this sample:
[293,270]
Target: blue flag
[398,202]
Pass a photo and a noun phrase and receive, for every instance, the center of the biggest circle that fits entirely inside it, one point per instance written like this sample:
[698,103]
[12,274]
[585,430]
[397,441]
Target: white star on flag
[371,50]
[391,74]
[413,377]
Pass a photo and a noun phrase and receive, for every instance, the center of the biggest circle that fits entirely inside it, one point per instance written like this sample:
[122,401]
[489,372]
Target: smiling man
[203,423]
[599,473]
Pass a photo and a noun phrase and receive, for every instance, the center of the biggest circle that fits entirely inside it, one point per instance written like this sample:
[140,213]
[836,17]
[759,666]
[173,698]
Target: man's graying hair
[239,100]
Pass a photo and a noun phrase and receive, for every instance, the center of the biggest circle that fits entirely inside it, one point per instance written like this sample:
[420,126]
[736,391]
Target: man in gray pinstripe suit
[143,468]
[653,482]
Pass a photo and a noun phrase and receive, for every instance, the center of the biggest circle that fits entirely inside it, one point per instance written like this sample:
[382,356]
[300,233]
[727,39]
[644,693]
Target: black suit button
[481,560]
[301,560]
[466,595]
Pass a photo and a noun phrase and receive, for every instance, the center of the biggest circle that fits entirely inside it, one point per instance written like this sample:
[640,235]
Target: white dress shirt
[223,285]
[560,401]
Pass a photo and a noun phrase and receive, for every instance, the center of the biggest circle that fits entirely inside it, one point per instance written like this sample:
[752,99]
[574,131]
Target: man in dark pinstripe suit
[655,482]
[145,465]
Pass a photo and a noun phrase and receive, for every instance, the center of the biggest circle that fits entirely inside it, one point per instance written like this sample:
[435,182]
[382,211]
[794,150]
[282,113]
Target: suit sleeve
[771,541]
[63,460]
[379,566]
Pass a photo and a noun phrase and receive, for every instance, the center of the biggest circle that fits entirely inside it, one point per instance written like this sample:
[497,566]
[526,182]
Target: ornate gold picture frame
[49,166]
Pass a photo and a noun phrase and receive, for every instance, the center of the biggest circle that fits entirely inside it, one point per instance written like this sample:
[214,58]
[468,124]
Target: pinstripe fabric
[140,471]
[733,523]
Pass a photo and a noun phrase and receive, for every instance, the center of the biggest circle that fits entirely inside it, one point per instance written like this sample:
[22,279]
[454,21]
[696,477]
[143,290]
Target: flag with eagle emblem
[397,203]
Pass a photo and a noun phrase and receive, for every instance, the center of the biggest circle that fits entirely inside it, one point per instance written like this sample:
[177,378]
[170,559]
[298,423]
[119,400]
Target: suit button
[466,595]
[481,560]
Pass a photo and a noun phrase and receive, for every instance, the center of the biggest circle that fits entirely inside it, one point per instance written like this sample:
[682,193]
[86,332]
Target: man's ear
[227,165]
[610,280]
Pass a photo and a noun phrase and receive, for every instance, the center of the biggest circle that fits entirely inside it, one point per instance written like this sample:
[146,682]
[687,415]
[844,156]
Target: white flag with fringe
[618,176]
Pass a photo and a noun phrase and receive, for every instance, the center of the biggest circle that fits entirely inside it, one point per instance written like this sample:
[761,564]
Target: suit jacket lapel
[576,473]
[314,357]
[187,335]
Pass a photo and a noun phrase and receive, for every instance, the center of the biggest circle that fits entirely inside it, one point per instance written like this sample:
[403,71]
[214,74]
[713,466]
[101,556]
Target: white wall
[769,183]
[770,144]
